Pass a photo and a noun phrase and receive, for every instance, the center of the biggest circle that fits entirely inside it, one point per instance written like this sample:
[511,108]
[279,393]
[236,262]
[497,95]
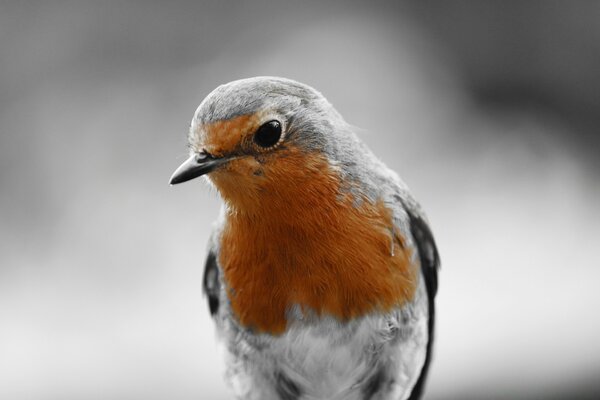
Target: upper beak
[195,166]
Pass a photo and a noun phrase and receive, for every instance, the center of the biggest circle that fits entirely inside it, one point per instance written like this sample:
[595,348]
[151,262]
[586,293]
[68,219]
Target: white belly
[325,359]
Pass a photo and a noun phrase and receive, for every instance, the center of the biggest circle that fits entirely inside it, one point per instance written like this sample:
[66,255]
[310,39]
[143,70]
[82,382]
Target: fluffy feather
[324,263]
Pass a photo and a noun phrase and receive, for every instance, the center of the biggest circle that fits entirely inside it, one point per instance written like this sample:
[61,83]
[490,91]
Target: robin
[321,271]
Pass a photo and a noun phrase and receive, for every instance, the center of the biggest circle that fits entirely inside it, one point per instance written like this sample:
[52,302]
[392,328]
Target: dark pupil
[268,134]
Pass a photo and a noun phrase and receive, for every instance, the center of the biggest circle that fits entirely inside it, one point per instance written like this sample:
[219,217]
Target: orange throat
[308,245]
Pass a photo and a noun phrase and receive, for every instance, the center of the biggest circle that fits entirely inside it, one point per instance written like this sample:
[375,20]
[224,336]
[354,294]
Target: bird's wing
[430,262]
[211,281]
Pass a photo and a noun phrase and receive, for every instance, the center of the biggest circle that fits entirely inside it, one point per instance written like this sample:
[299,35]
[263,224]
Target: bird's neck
[312,247]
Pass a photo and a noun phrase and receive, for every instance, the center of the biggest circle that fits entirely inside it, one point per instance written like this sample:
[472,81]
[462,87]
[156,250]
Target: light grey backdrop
[488,111]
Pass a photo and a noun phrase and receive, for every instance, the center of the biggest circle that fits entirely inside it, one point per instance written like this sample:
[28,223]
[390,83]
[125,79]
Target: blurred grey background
[490,111]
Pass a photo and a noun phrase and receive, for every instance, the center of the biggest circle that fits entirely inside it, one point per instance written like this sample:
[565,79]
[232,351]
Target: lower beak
[195,166]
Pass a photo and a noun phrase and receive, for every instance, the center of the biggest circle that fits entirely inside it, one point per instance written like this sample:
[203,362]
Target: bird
[321,270]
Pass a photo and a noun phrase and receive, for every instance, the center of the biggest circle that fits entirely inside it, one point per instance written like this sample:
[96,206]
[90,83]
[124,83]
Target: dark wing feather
[430,262]
[211,282]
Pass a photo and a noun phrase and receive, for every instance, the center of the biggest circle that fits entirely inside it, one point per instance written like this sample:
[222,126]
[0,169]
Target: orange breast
[309,245]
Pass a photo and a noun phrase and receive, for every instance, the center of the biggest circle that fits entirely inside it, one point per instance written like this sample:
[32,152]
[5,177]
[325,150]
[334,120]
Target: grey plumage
[376,356]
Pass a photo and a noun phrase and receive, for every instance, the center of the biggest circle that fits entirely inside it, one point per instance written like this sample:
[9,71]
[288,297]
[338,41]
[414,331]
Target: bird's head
[261,137]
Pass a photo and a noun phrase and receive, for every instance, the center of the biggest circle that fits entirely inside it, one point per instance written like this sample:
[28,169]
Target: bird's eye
[268,134]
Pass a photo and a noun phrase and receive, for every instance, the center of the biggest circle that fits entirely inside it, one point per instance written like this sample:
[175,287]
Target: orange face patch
[292,239]
[224,137]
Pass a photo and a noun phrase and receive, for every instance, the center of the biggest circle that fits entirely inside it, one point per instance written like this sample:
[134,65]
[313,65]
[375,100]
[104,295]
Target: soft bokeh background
[489,110]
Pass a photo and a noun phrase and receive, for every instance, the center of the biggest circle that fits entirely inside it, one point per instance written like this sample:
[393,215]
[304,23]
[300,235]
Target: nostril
[203,156]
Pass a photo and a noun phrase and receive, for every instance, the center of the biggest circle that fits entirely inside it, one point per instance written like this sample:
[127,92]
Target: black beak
[195,166]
